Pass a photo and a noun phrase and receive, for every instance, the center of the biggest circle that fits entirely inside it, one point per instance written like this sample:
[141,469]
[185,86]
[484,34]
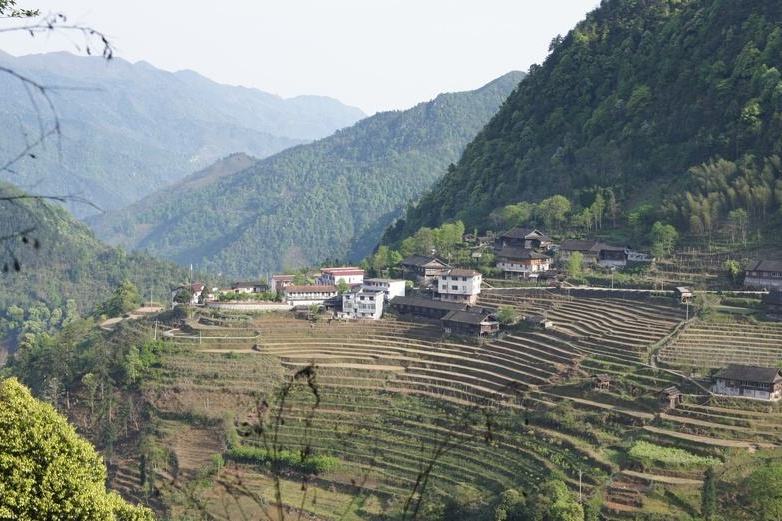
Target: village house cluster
[432,289]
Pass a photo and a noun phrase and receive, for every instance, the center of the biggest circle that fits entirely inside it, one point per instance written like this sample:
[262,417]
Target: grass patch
[649,454]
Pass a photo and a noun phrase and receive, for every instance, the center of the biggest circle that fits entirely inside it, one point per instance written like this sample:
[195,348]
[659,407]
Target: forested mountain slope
[324,200]
[641,97]
[129,129]
[69,263]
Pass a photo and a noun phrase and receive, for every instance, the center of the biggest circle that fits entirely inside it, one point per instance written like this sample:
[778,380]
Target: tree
[49,471]
[183,296]
[738,219]
[555,502]
[553,211]
[733,267]
[48,122]
[763,492]
[507,315]
[709,495]
[125,298]
[663,238]
[575,265]
[510,507]
[342,286]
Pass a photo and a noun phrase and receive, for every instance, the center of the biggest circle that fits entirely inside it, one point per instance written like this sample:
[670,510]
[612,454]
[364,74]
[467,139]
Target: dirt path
[717,442]
[670,480]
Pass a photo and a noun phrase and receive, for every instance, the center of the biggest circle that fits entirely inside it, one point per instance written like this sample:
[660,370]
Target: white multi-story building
[459,285]
[333,276]
[363,303]
[308,295]
[391,287]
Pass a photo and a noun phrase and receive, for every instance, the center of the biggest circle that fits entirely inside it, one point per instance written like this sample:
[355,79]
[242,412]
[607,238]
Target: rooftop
[422,260]
[520,253]
[349,270]
[460,272]
[766,265]
[750,373]
[468,317]
[311,288]
[427,303]
[248,284]
[525,233]
[774,297]
[580,245]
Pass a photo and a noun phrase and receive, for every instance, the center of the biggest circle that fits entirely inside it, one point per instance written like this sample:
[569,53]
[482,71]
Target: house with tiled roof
[471,322]
[334,276]
[764,274]
[762,383]
[307,295]
[422,268]
[528,238]
[522,262]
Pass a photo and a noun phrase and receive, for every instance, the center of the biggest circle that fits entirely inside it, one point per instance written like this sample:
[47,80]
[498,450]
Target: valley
[511,412]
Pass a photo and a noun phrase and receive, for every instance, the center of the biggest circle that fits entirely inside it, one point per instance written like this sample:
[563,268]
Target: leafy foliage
[71,272]
[49,472]
[648,98]
[326,200]
[648,454]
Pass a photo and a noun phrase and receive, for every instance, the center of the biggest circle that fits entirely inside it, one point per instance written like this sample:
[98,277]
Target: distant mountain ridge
[330,199]
[129,129]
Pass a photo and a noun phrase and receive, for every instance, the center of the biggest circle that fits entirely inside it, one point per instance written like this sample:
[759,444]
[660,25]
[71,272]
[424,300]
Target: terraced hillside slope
[329,199]
[390,392]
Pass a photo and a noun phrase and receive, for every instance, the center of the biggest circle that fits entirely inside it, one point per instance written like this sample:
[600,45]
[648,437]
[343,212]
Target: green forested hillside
[325,200]
[70,271]
[677,103]
[128,129]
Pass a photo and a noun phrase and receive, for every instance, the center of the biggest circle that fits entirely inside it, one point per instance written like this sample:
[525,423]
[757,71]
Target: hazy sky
[374,54]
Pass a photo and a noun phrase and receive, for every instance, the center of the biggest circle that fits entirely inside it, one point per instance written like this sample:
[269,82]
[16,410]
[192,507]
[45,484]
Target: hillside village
[433,291]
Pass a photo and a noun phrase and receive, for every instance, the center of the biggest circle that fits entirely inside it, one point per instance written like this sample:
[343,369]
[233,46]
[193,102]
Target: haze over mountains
[129,129]
[330,199]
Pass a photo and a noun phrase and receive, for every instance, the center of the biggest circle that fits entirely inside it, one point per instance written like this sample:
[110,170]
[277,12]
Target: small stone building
[670,397]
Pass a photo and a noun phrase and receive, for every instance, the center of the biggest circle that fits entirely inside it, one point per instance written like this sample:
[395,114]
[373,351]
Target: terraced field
[512,412]
[715,344]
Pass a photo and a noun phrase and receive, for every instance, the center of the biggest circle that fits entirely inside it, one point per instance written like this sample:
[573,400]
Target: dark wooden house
[528,238]
[764,274]
[762,383]
[424,307]
[772,304]
[471,322]
[423,269]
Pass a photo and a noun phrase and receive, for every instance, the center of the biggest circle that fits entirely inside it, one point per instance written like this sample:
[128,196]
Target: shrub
[647,454]
[313,464]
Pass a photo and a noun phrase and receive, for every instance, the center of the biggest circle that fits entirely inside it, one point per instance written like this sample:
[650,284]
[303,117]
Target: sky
[373,54]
